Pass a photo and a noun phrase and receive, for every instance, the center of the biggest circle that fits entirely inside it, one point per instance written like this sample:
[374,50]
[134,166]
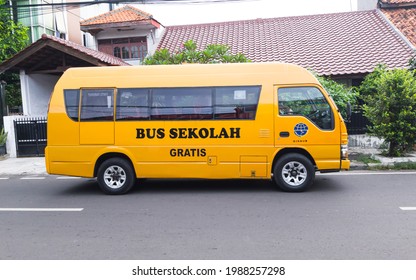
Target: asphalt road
[344,216]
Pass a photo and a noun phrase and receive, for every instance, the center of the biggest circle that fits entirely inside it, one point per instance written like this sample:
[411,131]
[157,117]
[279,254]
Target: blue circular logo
[301,129]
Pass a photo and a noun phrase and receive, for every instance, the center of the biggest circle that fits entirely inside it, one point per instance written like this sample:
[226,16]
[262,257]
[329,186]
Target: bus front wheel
[116,176]
[293,173]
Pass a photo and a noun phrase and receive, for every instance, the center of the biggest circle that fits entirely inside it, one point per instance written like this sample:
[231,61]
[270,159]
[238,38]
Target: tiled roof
[405,20]
[398,1]
[120,15]
[330,44]
[50,54]
[103,57]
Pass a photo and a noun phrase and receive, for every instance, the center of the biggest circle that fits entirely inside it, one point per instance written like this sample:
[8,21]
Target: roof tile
[398,1]
[103,57]
[123,14]
[330,44]
[405,20]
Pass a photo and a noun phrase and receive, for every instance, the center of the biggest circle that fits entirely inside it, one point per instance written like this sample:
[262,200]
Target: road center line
[41,209]
[32,178]
[408,208]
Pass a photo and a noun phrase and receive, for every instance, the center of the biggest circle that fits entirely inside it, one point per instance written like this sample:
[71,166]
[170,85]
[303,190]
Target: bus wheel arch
[115,173]
[293,170]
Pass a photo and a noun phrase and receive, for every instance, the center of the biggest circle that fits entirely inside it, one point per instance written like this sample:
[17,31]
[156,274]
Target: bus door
[97,117]
[304,118]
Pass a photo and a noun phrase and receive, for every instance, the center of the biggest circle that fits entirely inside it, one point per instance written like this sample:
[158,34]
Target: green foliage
[13,93]
[191,54]
[412,62]
[390,105]
[340,93]
[13,38]
[3,137]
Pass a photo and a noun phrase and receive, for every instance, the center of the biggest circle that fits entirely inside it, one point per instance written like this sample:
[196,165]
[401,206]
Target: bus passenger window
[236,102]
[132,104]
[181,103]
[308,102]
[72,103]
[97,105]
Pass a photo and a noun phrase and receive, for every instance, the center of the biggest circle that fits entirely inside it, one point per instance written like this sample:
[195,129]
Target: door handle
[284,134]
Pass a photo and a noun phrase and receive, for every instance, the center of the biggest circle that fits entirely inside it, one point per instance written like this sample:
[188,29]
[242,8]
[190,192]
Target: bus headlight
[344,151]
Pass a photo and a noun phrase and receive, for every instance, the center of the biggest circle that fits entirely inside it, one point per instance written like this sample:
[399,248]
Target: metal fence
[358,123]
[30,136]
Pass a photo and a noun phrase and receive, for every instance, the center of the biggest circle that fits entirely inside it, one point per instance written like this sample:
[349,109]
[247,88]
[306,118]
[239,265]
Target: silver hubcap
[115,177]
[294,173]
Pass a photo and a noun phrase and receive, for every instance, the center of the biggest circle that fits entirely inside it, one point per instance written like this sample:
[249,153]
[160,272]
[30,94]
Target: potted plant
[3,138]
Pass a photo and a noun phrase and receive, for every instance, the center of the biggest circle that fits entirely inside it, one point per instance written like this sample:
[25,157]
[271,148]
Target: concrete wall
[363,5]
[36,91]
[364,141]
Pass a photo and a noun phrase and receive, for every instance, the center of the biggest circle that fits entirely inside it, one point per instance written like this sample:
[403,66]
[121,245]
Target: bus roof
[186,75]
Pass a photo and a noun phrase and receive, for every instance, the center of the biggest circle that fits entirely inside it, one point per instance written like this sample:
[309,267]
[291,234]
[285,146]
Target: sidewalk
[22,166]
[355,152]
[36,165]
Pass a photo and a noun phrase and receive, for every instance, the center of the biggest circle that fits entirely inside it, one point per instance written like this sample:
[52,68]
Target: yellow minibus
[212,121]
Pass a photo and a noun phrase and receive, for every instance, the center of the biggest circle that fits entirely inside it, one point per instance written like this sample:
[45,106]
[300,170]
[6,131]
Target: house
[346,46]
[127,32]
[40,65]
[123,36]
[41,17]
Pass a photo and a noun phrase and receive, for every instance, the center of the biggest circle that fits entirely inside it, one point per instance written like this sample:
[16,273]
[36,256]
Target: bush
[3,137]
[190,54]
[390,105]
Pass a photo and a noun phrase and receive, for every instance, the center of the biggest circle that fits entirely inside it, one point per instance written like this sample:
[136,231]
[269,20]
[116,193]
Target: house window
[142,52]
[125,52]
[125,48]
[117,52]
[134,52]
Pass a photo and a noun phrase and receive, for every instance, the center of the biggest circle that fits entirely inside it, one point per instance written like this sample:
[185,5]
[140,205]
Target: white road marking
[4,178]
[67,178]
[32,178]
[408,208]
[41,209]
[367,173]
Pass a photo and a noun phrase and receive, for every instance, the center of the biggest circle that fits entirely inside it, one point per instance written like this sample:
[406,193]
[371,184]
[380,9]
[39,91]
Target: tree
[342,95]
[13,38]
[412,62]
[190,54]
[390,105]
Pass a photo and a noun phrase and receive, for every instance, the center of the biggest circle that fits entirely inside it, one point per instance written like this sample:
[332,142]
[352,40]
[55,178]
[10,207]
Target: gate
[358,123]
[30,136]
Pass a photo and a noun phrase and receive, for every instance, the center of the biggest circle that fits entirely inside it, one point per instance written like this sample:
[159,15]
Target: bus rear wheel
[116,176]
[293,173]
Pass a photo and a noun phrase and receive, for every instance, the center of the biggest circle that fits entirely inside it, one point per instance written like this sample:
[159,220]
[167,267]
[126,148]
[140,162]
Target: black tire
[116,176]
[293,173]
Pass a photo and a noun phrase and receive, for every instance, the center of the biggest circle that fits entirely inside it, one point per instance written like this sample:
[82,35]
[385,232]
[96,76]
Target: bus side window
[238,102]
[181,103]
[132,104]
[308,102]
[71,97]
[97,105]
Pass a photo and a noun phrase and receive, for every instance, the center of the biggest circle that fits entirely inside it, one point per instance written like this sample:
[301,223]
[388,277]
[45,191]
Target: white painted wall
[363,5]
[36,91]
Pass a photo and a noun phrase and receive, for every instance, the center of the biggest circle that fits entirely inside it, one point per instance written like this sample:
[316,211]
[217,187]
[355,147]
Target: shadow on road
[90,186]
